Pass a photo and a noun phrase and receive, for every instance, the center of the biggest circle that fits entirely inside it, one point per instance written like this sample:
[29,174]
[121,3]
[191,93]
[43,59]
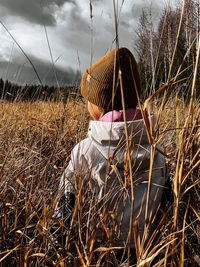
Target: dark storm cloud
[35,11]
[20,71]
[76,32]
[77,22]
[77,39]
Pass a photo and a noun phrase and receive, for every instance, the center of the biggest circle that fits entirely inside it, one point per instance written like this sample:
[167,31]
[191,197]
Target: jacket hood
[108,137]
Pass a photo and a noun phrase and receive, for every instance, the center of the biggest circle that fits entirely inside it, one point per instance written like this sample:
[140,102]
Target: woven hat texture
[100,82]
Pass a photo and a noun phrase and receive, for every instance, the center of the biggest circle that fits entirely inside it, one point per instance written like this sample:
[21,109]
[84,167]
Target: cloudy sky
[75,40]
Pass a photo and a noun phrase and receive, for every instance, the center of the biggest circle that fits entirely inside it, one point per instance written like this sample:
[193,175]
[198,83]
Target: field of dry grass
[36,139]
[35,143]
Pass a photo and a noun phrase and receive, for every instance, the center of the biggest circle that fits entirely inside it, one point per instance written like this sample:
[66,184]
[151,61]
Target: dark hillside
[14,92]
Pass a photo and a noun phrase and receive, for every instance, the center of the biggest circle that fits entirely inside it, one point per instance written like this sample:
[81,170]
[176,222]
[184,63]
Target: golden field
[36,139]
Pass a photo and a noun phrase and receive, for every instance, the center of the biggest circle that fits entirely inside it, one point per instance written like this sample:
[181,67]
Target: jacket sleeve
[67,186]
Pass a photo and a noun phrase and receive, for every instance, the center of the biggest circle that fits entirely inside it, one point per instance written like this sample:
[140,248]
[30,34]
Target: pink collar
[132,114]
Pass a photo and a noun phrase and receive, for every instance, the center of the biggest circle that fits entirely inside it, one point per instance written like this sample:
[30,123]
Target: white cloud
[68,25]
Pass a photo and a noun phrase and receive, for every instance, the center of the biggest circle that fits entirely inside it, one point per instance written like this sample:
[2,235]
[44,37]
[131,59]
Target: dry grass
[36,140]
[35,144]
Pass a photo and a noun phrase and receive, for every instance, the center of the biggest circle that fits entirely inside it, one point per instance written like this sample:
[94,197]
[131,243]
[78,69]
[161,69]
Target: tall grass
[35,149]
[35,144]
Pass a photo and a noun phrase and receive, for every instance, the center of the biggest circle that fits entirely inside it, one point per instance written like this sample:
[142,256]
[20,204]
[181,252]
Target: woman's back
[102,160]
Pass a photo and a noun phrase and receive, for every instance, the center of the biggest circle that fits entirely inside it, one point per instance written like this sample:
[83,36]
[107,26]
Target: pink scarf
[132,114]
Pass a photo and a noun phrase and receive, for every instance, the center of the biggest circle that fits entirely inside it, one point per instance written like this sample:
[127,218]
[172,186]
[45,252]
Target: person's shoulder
[80,144]
[83,146]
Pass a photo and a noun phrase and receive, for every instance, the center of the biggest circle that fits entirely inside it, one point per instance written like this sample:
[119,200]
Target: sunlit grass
[36,140]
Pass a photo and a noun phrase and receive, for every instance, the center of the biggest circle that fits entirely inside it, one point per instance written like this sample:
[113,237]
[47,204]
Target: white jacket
[90,159]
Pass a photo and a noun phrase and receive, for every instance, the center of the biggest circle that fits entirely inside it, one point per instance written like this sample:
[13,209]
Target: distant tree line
[155,48]
[14,92]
